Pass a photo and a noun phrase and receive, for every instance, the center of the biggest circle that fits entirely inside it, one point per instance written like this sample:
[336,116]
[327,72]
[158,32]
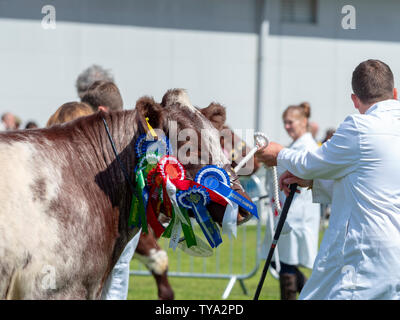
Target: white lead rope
[261,141]
[275,184]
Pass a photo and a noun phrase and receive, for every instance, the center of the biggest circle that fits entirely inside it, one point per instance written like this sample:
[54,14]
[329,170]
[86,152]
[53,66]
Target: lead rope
[131,186]
[275,184]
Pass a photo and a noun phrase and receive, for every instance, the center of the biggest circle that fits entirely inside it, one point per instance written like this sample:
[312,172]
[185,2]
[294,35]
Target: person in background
[329,133]
[90,75]
[103,95]
[299,246]
[69,111]
[18,122]
[31,125]
[313,127]
[8,121]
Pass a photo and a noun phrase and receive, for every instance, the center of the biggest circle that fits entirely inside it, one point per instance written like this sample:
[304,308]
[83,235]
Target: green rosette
[187,229]
[137,214]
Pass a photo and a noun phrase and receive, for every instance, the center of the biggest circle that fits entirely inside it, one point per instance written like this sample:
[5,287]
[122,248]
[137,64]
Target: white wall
[208,47]
[314,63]
[39,67]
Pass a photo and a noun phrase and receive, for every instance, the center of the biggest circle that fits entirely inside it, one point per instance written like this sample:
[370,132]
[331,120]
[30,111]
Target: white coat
[359,257]
[300,245]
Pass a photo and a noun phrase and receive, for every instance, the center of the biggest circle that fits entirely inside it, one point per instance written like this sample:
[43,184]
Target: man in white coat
[358,172]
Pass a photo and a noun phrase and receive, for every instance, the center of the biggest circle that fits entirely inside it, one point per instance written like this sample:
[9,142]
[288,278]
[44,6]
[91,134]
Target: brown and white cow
[65,201]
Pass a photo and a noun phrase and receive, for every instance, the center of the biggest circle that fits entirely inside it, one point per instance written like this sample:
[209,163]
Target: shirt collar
[384,106]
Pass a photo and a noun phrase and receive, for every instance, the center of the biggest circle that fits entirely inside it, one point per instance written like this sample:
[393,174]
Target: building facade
[256,57]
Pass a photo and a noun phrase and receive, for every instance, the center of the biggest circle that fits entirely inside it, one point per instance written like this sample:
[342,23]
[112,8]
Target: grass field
[226,260]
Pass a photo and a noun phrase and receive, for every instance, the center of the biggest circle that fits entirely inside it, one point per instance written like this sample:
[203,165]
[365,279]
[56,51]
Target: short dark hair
[103,93]
[31,125]
[373,81]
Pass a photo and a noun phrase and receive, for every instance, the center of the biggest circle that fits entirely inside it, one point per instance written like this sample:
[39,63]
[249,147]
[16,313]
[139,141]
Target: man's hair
[373,81]
[103,93]
[31,125]
[69,111]
[89,76]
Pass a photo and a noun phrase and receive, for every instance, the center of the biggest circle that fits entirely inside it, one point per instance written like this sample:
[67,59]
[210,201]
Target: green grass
[222,262]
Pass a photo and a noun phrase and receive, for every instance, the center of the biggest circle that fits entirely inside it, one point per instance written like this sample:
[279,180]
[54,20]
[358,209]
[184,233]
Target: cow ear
[216,113]
[149,112]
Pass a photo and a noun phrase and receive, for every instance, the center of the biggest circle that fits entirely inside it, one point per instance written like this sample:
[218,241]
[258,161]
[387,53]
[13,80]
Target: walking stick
[278,230]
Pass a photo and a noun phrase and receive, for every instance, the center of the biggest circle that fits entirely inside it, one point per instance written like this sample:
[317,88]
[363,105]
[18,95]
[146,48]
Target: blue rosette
[139,145]
[211,176]
[196,198]
[217,179]
[160,146]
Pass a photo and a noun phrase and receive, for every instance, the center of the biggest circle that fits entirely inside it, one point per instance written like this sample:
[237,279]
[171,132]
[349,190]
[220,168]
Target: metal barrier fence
[236,259]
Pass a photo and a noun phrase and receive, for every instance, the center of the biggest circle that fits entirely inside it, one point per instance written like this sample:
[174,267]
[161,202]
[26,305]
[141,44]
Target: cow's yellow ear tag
[153,133]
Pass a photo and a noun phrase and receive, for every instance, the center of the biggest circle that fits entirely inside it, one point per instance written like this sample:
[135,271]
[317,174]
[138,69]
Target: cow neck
[120,163]
[119,131]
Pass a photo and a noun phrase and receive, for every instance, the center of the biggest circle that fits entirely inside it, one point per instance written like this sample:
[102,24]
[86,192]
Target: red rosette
[169,166]
[154,178]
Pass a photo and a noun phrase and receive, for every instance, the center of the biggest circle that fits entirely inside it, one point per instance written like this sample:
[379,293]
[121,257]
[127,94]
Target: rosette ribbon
[170,169]
[217,180]
[143,210]
[196,198]
[159,145]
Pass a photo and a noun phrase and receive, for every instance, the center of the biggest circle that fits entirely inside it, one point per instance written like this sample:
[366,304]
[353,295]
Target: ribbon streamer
[229,222]
[196,198]
[214,178]
[169,167]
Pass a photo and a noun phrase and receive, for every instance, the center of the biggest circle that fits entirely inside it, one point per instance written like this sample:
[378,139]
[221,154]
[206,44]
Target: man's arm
[336,158]
[321,189]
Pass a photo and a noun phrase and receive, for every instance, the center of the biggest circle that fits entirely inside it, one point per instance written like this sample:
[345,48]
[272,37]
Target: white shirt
[359,257]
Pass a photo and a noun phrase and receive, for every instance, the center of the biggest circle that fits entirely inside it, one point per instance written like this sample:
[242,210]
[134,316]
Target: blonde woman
[69,111]
[298,247]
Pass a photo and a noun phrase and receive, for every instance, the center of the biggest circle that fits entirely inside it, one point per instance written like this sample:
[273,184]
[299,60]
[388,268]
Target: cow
[66,201]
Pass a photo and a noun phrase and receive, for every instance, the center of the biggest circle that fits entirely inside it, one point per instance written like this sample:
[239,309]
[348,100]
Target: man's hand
[269,154]
[288,178]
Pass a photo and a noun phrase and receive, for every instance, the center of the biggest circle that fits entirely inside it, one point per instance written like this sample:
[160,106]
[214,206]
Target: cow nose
[243,217]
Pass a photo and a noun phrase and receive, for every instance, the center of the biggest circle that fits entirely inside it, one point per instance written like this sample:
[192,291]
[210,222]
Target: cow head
[194,139]
[234,147]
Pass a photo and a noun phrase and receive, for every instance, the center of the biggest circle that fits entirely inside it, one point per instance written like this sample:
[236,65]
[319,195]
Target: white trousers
[116,286]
